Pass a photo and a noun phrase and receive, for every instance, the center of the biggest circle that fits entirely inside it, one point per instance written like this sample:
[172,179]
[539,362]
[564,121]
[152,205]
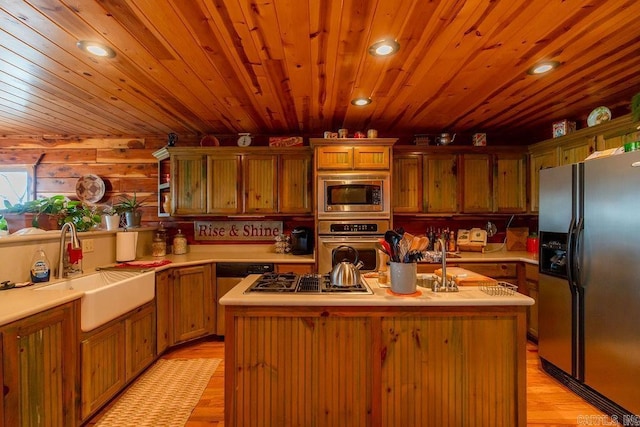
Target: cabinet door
[440,184]
[539,160]
[338,157]
[224,189]
[509,181]
[189,188]
[294,183]
[477,191]
[260,183]
[103,367]
[140,332]
[193,303]
[407,181]
[532,276]
[577,151]
[39,368]
[371,157]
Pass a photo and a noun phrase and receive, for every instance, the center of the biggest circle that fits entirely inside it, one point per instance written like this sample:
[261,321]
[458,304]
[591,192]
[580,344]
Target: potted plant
[111,217]
[55,211]
[130,207]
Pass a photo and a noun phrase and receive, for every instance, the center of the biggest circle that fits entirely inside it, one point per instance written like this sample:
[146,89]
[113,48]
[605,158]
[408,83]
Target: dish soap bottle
[40,267]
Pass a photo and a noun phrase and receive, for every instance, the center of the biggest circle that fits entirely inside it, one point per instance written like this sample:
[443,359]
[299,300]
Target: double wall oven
[354,210]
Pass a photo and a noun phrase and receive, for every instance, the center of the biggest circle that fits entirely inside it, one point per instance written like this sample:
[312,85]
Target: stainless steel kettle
[445,139]
[345,272]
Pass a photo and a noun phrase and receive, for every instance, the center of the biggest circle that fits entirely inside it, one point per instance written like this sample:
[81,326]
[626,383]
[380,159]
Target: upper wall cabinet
[231,181]
[448,180]
[353,153]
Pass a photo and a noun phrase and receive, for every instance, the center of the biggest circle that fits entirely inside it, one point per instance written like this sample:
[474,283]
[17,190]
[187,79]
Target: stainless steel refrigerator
[589,289]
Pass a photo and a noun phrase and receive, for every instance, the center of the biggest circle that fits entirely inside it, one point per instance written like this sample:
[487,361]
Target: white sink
[108,294]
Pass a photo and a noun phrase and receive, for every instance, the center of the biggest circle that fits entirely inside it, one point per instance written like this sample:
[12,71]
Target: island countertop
[469,296]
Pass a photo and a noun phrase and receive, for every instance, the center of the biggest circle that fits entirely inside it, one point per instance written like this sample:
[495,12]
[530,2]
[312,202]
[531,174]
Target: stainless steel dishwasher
[228,275]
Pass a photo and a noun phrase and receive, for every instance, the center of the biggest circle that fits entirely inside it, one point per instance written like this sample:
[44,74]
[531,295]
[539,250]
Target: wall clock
[244,139]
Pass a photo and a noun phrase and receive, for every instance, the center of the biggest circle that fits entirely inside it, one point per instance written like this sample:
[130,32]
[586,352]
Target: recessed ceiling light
[361,101]
[543,67]
[384,48]
[95,48]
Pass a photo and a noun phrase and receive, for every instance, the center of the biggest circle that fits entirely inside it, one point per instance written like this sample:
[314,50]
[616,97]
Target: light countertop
[467,296]
[19,303]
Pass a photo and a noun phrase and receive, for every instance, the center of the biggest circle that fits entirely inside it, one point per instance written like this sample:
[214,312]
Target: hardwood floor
[549,403]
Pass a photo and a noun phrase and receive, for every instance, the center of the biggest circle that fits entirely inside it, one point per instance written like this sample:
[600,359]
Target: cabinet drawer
[494,270]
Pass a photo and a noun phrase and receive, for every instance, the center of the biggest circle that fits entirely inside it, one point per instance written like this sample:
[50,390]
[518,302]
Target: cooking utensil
[346,273]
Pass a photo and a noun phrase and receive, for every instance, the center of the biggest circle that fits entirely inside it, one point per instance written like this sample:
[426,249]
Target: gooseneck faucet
[445,285]
[64,266]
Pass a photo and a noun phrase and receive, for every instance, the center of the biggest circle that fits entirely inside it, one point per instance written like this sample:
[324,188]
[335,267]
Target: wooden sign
[237,230]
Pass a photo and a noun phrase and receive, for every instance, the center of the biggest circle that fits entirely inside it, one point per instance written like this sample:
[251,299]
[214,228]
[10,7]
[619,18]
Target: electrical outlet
[87,245]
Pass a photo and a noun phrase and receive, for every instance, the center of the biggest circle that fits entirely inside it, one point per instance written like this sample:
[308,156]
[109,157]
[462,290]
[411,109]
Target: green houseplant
[130,207]
[59,209]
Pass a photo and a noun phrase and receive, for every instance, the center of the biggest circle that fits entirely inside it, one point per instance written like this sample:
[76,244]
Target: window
[16,184]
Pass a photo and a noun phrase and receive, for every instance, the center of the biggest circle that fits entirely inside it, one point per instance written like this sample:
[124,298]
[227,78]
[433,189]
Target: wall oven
[361,235]
[365,194]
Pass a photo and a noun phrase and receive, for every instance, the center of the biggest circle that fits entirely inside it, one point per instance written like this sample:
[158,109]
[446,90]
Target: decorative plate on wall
[90,188]
[599,115]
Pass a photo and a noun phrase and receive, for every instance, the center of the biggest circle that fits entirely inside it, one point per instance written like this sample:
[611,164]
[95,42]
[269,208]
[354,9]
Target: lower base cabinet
[38,369]
[113,355]
[532,276]
[186,304]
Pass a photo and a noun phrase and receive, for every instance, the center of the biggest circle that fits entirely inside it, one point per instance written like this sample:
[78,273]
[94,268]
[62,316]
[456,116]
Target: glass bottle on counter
[159,245]
[179,243]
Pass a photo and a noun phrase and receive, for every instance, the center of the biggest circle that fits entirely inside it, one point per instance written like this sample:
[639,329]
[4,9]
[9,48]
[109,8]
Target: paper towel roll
[126,242]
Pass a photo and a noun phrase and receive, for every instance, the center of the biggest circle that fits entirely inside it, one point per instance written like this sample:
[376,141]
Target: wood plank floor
[549,403]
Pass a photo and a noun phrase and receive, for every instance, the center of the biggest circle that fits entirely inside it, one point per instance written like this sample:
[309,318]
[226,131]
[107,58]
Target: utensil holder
[403,277]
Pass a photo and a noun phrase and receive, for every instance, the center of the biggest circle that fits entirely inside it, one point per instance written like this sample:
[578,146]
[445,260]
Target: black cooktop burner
[304,284]
[275,282]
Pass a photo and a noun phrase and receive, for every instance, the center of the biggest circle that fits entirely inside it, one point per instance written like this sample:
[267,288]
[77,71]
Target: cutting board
[466,277]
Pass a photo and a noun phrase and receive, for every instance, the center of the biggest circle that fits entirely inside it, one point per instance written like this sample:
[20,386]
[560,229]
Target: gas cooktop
[303,284]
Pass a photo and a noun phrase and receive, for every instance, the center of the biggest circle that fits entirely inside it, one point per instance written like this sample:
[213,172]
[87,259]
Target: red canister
[532,245]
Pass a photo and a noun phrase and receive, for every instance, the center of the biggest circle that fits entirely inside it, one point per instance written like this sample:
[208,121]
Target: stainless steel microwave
[352,195]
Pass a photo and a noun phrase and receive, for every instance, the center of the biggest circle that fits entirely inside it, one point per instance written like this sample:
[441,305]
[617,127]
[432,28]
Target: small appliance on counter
[301,241]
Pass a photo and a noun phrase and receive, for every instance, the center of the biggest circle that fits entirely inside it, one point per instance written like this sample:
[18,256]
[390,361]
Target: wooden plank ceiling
[291,67]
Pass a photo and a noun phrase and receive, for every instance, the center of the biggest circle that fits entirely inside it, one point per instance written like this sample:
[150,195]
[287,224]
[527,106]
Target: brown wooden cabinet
[223,189]
[425,183]
[352,153]
[440,184]
[39,360]
[193,301]
[476,183]
[231,181]
[186,306]
[532,276]
[113,355]
[348,157]
[539,160]
[102,372]
[189,188]
[447,180]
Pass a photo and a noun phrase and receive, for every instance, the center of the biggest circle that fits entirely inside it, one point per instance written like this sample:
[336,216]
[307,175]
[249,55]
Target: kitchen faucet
[444,285]
[65,267]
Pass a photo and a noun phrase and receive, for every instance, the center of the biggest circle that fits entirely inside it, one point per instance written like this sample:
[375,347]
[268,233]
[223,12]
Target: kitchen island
[431,359]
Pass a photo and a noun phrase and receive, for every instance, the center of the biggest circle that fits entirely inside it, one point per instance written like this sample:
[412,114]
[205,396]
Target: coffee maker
[301,241]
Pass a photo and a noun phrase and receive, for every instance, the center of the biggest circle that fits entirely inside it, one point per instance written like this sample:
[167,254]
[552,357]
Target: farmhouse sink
[108,294]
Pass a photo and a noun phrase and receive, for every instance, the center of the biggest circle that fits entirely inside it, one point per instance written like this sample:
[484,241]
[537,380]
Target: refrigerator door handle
[576,277]
[570,252]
